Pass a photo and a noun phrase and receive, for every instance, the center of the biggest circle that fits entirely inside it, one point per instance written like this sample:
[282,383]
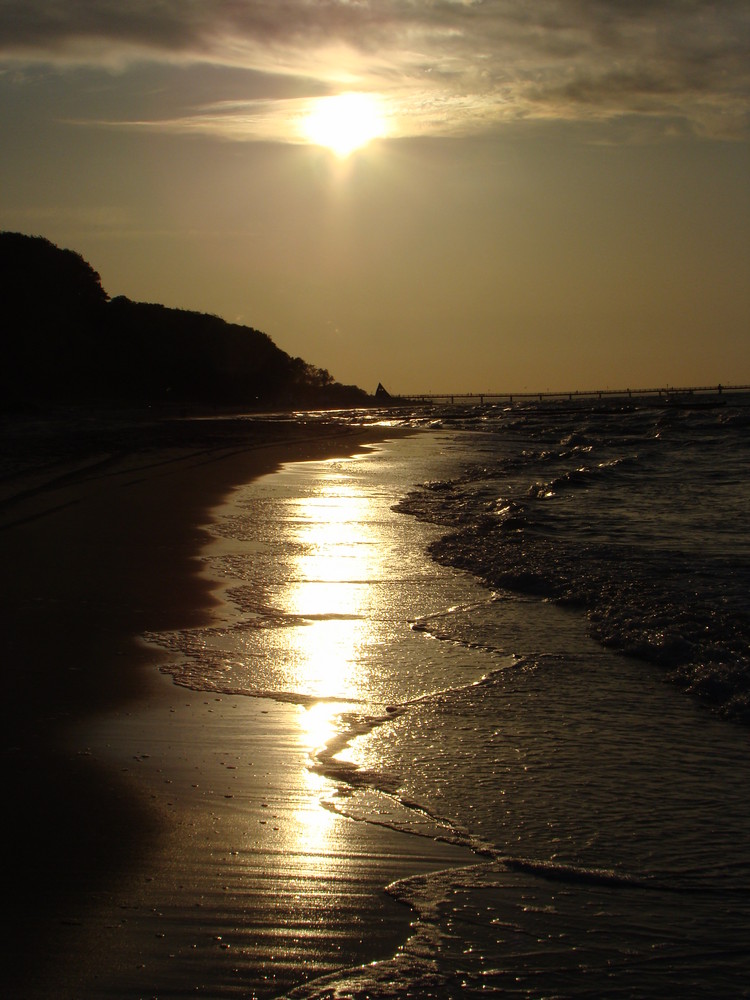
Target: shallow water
[322,581]
[607,808]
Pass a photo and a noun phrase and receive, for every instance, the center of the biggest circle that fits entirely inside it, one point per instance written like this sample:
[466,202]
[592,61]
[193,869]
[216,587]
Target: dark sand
[160,842]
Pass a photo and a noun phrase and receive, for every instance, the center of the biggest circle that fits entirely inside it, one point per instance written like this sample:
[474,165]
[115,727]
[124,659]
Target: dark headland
[65,340]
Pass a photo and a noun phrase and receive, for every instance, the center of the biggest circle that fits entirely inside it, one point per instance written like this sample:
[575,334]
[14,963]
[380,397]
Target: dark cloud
[175,25]
[486,59]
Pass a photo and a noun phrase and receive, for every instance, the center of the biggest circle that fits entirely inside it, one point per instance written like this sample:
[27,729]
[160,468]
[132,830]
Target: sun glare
[344,123]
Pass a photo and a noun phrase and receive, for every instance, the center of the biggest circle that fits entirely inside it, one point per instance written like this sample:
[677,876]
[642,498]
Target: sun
[344,123]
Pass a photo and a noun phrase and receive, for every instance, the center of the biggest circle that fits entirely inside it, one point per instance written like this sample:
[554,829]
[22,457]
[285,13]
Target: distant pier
[480,398]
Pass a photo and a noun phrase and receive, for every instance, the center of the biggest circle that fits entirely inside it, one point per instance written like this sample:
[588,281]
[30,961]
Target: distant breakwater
[664,394]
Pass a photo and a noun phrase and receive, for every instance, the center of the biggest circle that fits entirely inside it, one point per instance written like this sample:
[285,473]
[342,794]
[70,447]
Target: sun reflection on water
[318,723]
[336,538]
[338,554]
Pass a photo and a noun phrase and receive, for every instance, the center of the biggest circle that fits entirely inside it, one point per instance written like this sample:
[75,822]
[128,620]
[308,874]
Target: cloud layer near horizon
[445,66]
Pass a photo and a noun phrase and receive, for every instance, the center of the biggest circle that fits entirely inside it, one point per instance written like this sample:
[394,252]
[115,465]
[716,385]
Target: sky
[510,195]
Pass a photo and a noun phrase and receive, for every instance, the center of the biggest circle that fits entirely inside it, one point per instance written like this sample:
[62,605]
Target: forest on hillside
[65,340]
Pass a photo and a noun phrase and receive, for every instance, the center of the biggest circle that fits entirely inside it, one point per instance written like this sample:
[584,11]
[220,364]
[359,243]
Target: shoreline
[101,545]
[105,538]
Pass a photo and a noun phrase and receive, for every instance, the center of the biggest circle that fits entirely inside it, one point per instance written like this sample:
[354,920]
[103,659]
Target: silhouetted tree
[51,303]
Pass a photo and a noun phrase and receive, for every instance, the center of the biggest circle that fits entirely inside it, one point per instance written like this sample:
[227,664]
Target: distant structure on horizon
[668,394]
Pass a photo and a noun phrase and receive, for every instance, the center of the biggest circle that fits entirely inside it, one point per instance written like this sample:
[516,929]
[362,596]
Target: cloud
[446,66]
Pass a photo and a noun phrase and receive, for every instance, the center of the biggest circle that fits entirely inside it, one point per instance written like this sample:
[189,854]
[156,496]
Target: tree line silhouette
[64,340]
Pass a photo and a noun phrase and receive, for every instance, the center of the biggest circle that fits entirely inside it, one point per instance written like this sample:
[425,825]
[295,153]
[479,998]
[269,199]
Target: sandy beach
[163,842]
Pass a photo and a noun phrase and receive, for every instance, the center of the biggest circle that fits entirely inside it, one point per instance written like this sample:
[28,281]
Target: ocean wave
[646,536]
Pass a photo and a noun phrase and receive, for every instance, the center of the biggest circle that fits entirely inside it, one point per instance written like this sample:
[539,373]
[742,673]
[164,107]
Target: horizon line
[665,390]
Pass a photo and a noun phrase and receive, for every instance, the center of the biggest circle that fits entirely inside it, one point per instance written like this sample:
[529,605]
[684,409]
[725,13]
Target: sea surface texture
[523,629]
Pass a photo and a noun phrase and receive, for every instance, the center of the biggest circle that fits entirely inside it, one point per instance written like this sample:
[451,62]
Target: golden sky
[437,195]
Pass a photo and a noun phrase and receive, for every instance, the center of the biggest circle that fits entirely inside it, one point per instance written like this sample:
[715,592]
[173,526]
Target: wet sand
[161,842]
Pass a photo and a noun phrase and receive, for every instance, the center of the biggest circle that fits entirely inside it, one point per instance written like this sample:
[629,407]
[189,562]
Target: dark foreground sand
[160,842]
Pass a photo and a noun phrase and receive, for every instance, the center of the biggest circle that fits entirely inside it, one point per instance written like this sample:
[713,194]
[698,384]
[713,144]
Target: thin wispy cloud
[445,66]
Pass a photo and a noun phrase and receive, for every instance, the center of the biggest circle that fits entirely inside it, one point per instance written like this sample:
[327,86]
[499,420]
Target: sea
[523,628]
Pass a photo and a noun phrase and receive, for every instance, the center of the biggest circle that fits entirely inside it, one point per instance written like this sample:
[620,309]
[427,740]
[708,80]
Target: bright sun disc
[344,123]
